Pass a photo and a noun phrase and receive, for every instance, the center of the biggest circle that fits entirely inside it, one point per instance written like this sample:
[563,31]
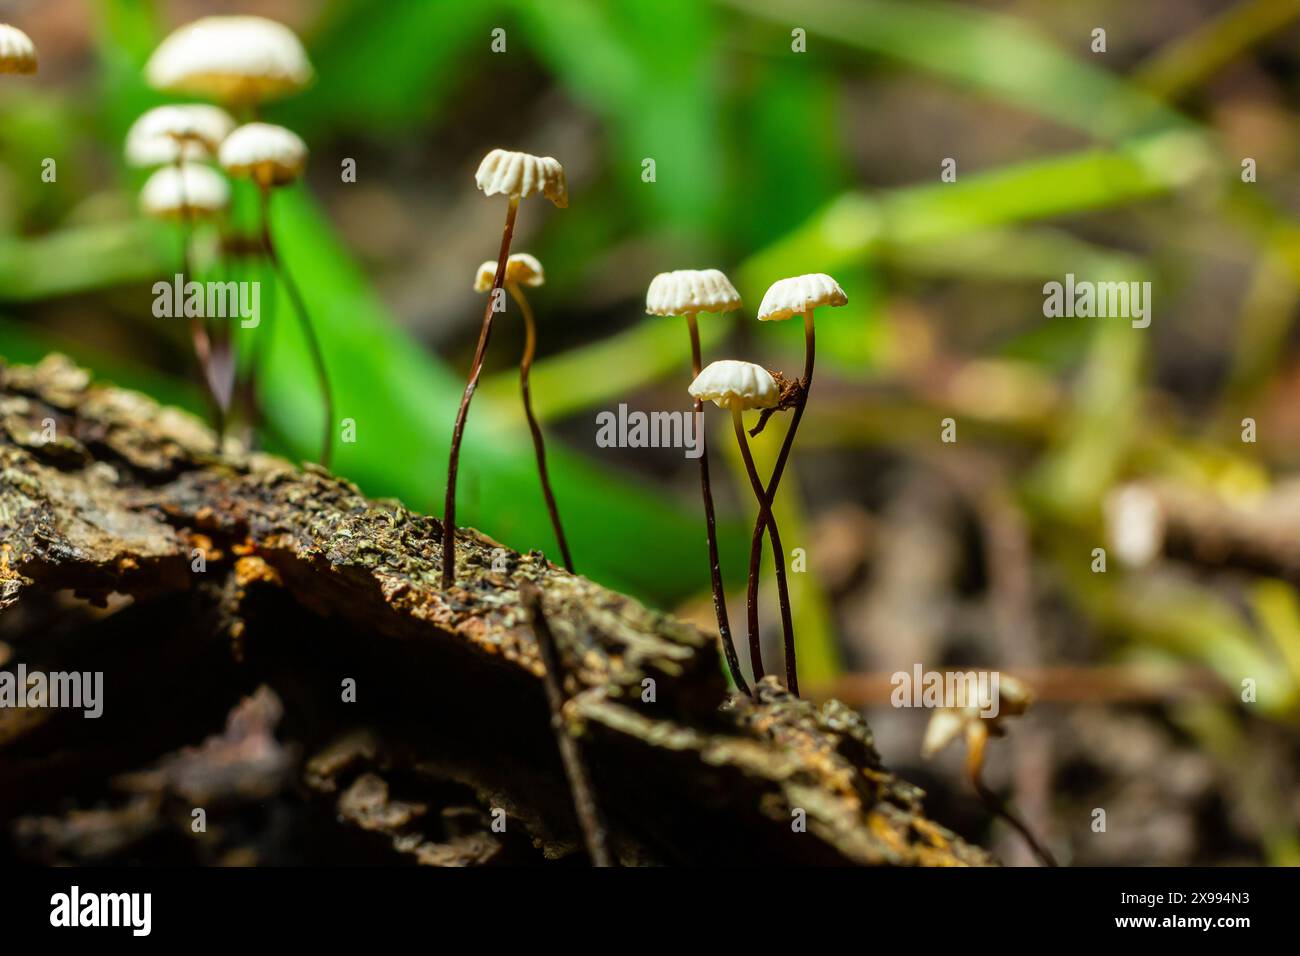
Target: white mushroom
[520,175]
[170,134]
[237,60]
[785,298]
[736,385]
[273,156]
[799,295]
[689,292]
[189,192]
[516,176]
[267,154]
[524,270]
[17,52]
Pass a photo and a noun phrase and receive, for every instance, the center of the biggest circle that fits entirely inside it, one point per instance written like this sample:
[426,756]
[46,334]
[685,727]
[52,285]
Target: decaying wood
[193,580]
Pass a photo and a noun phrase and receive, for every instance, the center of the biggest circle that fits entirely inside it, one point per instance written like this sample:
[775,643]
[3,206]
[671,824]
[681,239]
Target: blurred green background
[1123,164]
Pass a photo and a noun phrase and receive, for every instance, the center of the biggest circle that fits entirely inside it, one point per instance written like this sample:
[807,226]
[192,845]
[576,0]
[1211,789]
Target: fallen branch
[190,580]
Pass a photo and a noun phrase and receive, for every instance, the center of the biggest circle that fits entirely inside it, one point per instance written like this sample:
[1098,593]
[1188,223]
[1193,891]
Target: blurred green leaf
[979,50]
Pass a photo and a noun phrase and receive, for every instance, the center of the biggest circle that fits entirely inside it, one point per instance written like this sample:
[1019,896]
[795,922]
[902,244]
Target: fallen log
[413,720]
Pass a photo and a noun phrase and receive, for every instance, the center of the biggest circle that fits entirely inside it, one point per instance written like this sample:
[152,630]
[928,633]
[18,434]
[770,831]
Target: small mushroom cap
[267,154]
[193,192]
[947,723]
[522,175]
[943,728]
[789,297]
[732,384]
[17,51]
[520,268]
[240,59]
[166,133]
[690,291]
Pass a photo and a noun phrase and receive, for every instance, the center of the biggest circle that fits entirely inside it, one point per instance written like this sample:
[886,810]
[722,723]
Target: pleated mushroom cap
[520,268]
[521,175]
[166,133]
[790,297]
[732,384]
[17,51]
[691,291]
[191,192]
[267,154]
[239,59]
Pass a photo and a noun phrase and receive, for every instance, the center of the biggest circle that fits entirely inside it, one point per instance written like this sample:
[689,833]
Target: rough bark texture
[445,756]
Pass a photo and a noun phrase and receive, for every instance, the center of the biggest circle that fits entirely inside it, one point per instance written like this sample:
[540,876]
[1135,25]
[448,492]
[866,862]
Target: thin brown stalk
[539,445]
[458,431]
[755,641]
[768,520]
[300,309]
[711,525]
[200,339]
[995,804]
[590,821]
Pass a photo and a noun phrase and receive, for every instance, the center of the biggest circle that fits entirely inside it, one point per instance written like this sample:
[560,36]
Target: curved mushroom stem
[976,738]
[539,445]
[711,526]
[300,308]
[199,336]
[765,518]
[458,430]
[247,386]
[755,641]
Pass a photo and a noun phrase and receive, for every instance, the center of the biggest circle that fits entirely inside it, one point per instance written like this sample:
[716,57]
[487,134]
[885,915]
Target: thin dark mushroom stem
[300,309]
[458,431]
[590,820]
[200,338]
[755,641]
[539,444]
[995,804]
[766,518]
[711,525]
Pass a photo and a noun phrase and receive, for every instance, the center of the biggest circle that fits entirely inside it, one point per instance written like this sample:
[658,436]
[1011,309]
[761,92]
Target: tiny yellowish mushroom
[272,157]
[17,51]
[524,270]
[238,60]
[688,293]
[977,721]
[783,300]
[516,176]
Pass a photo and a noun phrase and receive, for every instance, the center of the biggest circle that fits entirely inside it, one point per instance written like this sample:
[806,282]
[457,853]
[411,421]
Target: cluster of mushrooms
[240,62]
[734,385]
[739,387]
